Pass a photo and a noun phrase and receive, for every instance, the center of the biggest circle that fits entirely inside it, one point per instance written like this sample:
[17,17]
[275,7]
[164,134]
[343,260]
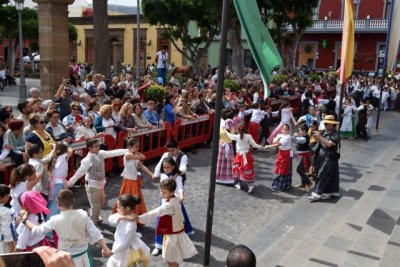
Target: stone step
[330,239]
[305,240]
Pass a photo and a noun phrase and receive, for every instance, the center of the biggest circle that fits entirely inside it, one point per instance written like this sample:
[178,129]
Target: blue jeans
[162,72]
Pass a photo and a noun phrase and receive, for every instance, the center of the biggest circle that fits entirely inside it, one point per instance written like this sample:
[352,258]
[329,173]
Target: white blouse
[130,169]
[243,145]
[179,183]
[285,141]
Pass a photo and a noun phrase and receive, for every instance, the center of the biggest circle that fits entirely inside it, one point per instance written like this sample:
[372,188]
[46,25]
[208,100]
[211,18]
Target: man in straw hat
[326,161]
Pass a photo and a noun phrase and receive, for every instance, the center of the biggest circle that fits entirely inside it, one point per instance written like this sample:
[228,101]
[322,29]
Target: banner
[261,45]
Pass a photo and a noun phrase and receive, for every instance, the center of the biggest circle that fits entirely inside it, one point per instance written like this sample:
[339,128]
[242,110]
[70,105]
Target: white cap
[34,89]
[101,85]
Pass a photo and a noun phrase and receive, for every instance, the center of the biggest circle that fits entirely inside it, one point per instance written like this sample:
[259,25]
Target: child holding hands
[74,229]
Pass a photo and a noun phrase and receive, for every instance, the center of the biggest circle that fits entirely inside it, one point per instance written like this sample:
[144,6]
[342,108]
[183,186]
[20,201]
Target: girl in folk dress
[347,129]
[34,208]
[243,168]
[171,170]
[285,112]
[126,240]
[58,167]
[225,152]
[23,178]
[283,165]
[132,182]
[176,245]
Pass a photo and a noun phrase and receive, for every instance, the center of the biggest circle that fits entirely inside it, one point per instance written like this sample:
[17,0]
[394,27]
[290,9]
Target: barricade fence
[152,141]
[193,131]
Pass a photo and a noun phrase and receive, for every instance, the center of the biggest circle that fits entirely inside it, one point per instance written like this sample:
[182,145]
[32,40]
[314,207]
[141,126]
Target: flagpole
[340,103]
[217,122]
[385,63]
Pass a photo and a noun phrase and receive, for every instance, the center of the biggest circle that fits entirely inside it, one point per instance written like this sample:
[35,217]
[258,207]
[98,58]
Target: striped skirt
[225,164]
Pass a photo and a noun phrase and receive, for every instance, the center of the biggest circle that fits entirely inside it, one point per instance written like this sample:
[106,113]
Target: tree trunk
[297,37]
[11,57]
[235,41]
[32,59]
[102,61]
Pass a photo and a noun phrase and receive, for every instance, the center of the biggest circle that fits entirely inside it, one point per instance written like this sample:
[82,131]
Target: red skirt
[282,162]
[42,243]
[253,130]
[245,172]
[133,187]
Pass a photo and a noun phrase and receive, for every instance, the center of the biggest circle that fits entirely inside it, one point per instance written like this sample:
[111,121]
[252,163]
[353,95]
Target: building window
[142,48]
[388,5]
[356,6]
[316,11]
[163,42]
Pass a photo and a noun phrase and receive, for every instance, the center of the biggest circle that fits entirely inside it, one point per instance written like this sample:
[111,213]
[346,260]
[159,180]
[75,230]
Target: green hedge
[232,85]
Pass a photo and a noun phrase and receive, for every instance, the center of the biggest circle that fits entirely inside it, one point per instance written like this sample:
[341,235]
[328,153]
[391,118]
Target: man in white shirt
[93,168]
[162,63]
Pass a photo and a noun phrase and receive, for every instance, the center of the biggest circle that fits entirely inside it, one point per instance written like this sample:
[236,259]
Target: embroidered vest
[96,172]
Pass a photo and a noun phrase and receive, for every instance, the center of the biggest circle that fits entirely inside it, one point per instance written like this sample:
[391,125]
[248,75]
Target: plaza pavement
[362,228]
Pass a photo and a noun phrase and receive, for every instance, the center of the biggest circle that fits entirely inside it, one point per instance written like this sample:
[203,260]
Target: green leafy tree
[30,30]
[174,17]
[297,13]
[9,17]
[72,32]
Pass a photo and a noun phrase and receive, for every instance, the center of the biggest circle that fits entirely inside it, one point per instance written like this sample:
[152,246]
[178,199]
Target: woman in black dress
[326,161]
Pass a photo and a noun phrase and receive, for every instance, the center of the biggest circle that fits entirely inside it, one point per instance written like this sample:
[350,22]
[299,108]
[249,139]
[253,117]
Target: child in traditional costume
[243,168]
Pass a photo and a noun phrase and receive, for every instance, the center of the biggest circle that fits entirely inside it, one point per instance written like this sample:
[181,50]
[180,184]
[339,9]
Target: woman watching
[127,121]
[140,120]
[105,122]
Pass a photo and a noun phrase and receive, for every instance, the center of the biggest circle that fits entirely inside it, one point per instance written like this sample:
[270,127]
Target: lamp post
[19,4]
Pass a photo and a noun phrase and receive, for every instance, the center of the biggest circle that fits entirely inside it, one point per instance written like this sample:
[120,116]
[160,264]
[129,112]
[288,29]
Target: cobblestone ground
[237,217]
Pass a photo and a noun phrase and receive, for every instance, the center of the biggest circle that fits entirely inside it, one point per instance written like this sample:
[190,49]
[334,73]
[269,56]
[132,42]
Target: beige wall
[129,43]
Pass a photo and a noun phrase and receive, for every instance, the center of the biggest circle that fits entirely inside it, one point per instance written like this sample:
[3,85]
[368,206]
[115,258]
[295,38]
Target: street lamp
[19,4]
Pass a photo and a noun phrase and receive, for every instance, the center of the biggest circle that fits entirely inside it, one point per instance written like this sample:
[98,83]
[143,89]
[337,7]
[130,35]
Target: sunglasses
[42,122]
[76,109]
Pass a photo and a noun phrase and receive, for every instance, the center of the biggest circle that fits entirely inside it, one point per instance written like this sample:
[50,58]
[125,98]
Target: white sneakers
[156,252]
[251,188]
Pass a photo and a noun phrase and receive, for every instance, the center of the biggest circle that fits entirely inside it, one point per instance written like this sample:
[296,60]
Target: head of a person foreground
[241,256]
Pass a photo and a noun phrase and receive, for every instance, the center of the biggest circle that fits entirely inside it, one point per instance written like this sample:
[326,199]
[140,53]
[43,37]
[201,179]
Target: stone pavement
[10,95]
[362,228]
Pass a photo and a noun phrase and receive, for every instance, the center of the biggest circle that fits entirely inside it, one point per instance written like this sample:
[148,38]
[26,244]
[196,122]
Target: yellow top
[223,137]
[46,144]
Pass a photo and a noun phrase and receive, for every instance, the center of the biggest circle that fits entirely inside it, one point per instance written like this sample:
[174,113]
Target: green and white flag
[261,45]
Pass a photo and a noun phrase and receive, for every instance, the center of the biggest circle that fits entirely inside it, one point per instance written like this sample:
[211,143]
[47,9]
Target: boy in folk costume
[243,167]
[74,229]
[93,166]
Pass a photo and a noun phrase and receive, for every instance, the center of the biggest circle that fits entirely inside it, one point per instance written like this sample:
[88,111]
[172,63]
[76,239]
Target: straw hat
[330,119]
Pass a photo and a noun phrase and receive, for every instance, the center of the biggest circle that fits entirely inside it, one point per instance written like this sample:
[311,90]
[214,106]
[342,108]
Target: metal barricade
[152,141]
[194,131]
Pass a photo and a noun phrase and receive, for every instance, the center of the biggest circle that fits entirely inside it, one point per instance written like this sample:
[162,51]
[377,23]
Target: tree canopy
[174,16]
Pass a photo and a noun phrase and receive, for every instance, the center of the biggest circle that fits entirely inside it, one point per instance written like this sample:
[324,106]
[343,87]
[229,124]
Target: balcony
[336,26]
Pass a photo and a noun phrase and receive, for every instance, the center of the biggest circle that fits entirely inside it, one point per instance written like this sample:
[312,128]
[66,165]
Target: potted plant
[233,85]
[156,93]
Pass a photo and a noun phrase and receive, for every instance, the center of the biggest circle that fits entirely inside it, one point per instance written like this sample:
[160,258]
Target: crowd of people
[38,141]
